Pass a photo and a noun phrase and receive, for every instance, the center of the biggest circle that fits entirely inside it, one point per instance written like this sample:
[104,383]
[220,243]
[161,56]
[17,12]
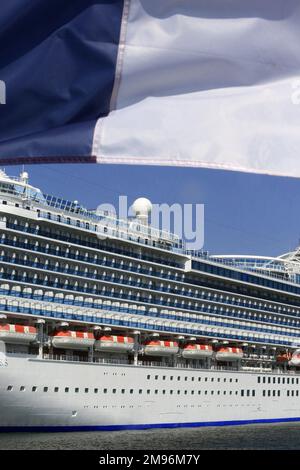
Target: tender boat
[115,344]
[229,354]
[161,348]
[73,339]
[283,357]
[18,334]
[197,351]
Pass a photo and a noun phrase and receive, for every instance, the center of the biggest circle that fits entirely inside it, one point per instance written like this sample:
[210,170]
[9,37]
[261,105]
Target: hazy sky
[244,213]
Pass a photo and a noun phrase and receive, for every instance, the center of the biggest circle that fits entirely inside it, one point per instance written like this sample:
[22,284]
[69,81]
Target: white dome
[142,206]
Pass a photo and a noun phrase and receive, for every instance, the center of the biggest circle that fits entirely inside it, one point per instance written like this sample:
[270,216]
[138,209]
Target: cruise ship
[107,324]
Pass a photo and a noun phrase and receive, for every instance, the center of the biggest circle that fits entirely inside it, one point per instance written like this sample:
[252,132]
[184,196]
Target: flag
[199,83]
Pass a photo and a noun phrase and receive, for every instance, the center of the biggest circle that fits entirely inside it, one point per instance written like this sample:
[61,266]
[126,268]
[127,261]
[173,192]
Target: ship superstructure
[108,323]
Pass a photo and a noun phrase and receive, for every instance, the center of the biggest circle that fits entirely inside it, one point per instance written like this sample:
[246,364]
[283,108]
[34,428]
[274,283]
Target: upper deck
[17,191]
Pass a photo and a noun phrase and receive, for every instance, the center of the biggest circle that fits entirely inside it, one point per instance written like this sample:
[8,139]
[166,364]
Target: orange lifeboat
[160,348]
[197,351]
[17,334]
[283,357]
[73,340]
[229,354]
[117,344]
[295,359]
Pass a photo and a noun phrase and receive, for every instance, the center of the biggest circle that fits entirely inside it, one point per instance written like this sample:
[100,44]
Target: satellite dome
[24,177]
[142,207]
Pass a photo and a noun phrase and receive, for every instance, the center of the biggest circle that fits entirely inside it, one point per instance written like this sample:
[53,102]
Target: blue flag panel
[58,61]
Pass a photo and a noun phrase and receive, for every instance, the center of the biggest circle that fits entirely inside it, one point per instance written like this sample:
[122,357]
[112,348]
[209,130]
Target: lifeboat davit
[73,340]
[17,334]
[197,351]
[295,359]
[161,348]
[118,344]
[229,354]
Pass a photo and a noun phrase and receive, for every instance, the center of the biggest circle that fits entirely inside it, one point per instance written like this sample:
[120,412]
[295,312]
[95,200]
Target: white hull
[24,409]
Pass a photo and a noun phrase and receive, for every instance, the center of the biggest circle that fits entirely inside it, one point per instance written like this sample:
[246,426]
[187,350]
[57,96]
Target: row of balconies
[125,308]
[204,295]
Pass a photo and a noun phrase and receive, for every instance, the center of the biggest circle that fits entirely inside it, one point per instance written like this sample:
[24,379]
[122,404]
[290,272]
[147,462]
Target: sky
[244,213]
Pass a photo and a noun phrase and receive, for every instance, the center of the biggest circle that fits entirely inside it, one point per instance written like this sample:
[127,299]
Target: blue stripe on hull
[123,427]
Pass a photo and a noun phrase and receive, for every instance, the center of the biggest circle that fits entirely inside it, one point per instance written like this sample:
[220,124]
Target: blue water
[263,436]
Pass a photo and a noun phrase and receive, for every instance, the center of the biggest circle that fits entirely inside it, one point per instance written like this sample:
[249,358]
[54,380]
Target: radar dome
[142,206]
[24,177]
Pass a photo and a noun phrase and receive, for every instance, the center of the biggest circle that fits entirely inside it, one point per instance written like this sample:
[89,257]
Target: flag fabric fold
[202,83]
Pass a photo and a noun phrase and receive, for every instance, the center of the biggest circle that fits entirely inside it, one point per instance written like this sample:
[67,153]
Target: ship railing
[94,360]
[168,363]
[105,224]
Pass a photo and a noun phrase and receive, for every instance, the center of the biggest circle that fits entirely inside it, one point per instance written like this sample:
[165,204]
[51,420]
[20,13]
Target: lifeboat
[73,340]
[283,357]
[118,344]
[229,354]
[197,351]
[295,359]
[18,334]
[160,348]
